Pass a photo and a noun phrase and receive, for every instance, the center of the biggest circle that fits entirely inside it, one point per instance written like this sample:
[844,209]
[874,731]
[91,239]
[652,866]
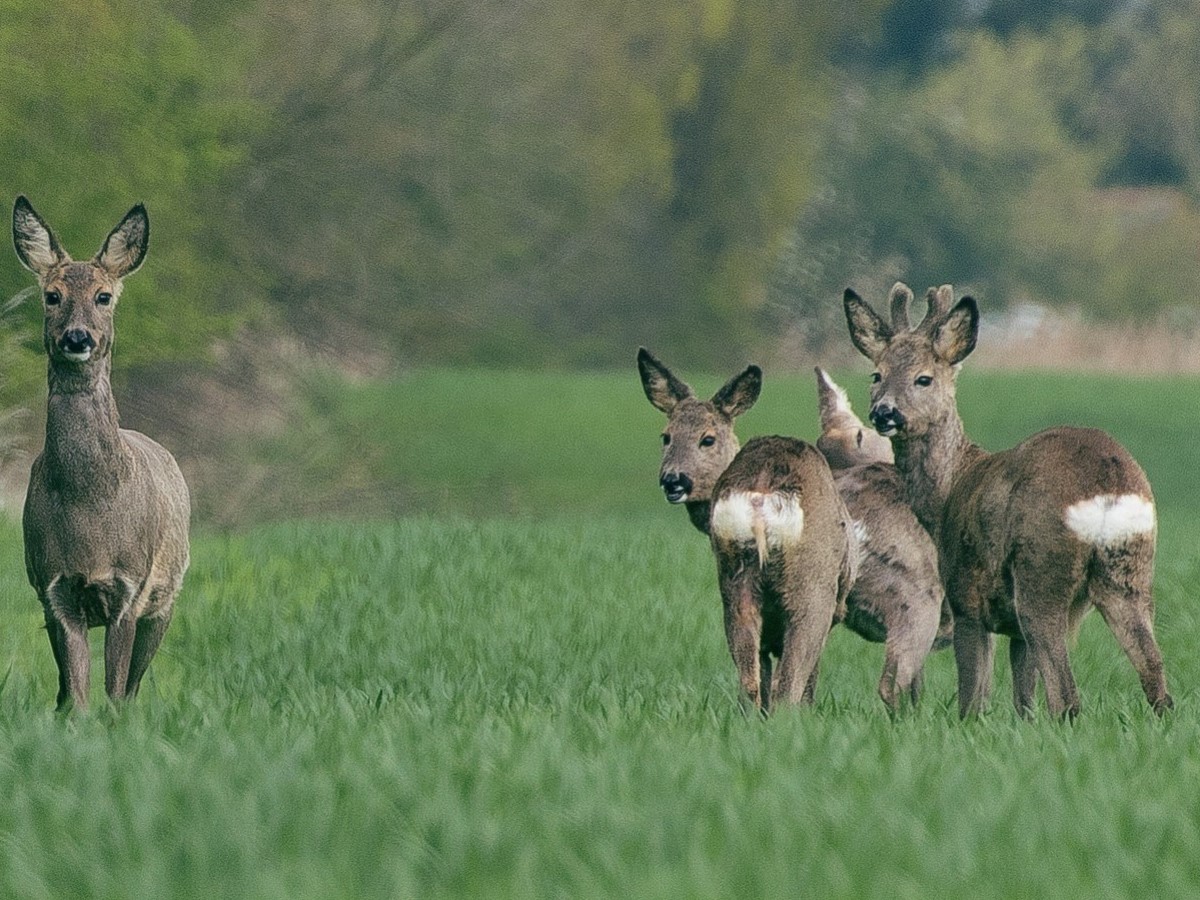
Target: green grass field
[506,676]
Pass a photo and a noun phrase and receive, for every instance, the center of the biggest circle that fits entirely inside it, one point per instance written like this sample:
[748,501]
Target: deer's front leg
[68,640]
[118,649]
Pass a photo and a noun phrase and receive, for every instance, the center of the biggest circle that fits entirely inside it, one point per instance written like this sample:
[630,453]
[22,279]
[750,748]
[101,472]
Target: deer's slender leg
[973,652]
[118,647]
[1130,617]
[743,629]
[68,640]
[1024,675]
[150,631]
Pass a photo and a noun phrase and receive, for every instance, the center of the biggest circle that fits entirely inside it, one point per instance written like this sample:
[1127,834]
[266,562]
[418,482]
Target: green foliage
[979,174]
[481,180]
[108,104]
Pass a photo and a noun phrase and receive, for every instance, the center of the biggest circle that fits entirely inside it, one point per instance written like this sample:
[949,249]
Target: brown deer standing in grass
[786,560]
[106,513]
[1029,538]
[897,596]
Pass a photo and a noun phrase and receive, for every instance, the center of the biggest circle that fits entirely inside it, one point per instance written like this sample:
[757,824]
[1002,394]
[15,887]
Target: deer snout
[676,486]
[77,343]
[887,419]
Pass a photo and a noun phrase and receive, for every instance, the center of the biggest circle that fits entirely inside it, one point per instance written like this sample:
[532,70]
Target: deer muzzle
[887,419]
[77,344]
[676,486]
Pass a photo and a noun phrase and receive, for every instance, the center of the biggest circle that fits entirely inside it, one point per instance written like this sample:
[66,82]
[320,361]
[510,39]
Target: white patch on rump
[1108,519]
[739,515]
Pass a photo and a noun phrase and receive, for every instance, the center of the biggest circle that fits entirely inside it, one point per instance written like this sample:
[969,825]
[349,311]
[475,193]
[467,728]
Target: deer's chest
[96,538]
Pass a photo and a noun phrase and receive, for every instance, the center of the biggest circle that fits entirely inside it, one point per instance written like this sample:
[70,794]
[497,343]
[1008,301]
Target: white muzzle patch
[1108,519]
[750,517]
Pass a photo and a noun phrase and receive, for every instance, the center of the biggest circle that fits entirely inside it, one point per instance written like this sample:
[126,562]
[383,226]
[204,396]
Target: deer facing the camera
[106,513]
[1029,538]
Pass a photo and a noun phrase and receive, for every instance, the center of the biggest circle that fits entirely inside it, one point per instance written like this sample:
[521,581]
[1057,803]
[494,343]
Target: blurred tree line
[553,182]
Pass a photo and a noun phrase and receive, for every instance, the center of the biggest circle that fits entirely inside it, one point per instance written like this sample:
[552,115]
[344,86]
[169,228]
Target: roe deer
[786,560]
[1029,538]
[897,597]
[106,513]
[891,600]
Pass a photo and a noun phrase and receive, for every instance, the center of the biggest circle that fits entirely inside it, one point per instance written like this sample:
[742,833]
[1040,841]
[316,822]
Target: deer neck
[84,453]
[698,511]
[931,463]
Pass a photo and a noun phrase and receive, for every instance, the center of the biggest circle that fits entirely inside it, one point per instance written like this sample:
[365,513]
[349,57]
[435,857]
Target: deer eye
[103,298]
[666,439]
[53,298]
[924,380]
[876,378]
[707,441]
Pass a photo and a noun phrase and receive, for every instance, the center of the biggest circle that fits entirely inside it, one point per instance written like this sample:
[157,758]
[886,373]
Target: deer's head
[915,366]
[844,440]
[79,298]
[698,442]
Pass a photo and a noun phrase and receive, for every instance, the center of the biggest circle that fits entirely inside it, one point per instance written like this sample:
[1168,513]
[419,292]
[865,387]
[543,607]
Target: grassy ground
[520,687]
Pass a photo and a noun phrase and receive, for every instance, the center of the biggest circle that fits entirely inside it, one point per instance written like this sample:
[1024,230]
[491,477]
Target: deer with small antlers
[896,597]
[106,512]
[1030,538]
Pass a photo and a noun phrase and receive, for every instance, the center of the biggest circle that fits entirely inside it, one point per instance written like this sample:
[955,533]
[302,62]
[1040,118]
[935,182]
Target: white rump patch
[768,520]
[1108,519]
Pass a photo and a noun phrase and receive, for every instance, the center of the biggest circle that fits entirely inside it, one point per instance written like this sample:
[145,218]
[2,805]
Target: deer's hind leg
[810,601]
[1120,589]
[741,594]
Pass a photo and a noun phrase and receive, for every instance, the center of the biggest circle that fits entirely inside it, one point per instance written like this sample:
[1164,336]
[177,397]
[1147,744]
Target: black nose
[676,486]
[886,418]
[77,340]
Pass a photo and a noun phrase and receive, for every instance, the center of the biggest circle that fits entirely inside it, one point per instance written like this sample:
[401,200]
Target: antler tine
[939,301]
[899,299]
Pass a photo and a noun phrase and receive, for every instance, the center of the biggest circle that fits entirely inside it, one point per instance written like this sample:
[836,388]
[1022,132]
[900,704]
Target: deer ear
[37,247]
[954,337]
[739,393]
[832,402]
[869,333]
[663,389]
[125,247]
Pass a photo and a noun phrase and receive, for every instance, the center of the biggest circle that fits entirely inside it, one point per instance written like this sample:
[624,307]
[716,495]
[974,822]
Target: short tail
[764,520]
[1109,520]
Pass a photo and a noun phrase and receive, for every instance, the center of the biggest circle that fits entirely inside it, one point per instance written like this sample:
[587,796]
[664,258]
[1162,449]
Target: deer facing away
[106,513]
[1029,538]
[896,597]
